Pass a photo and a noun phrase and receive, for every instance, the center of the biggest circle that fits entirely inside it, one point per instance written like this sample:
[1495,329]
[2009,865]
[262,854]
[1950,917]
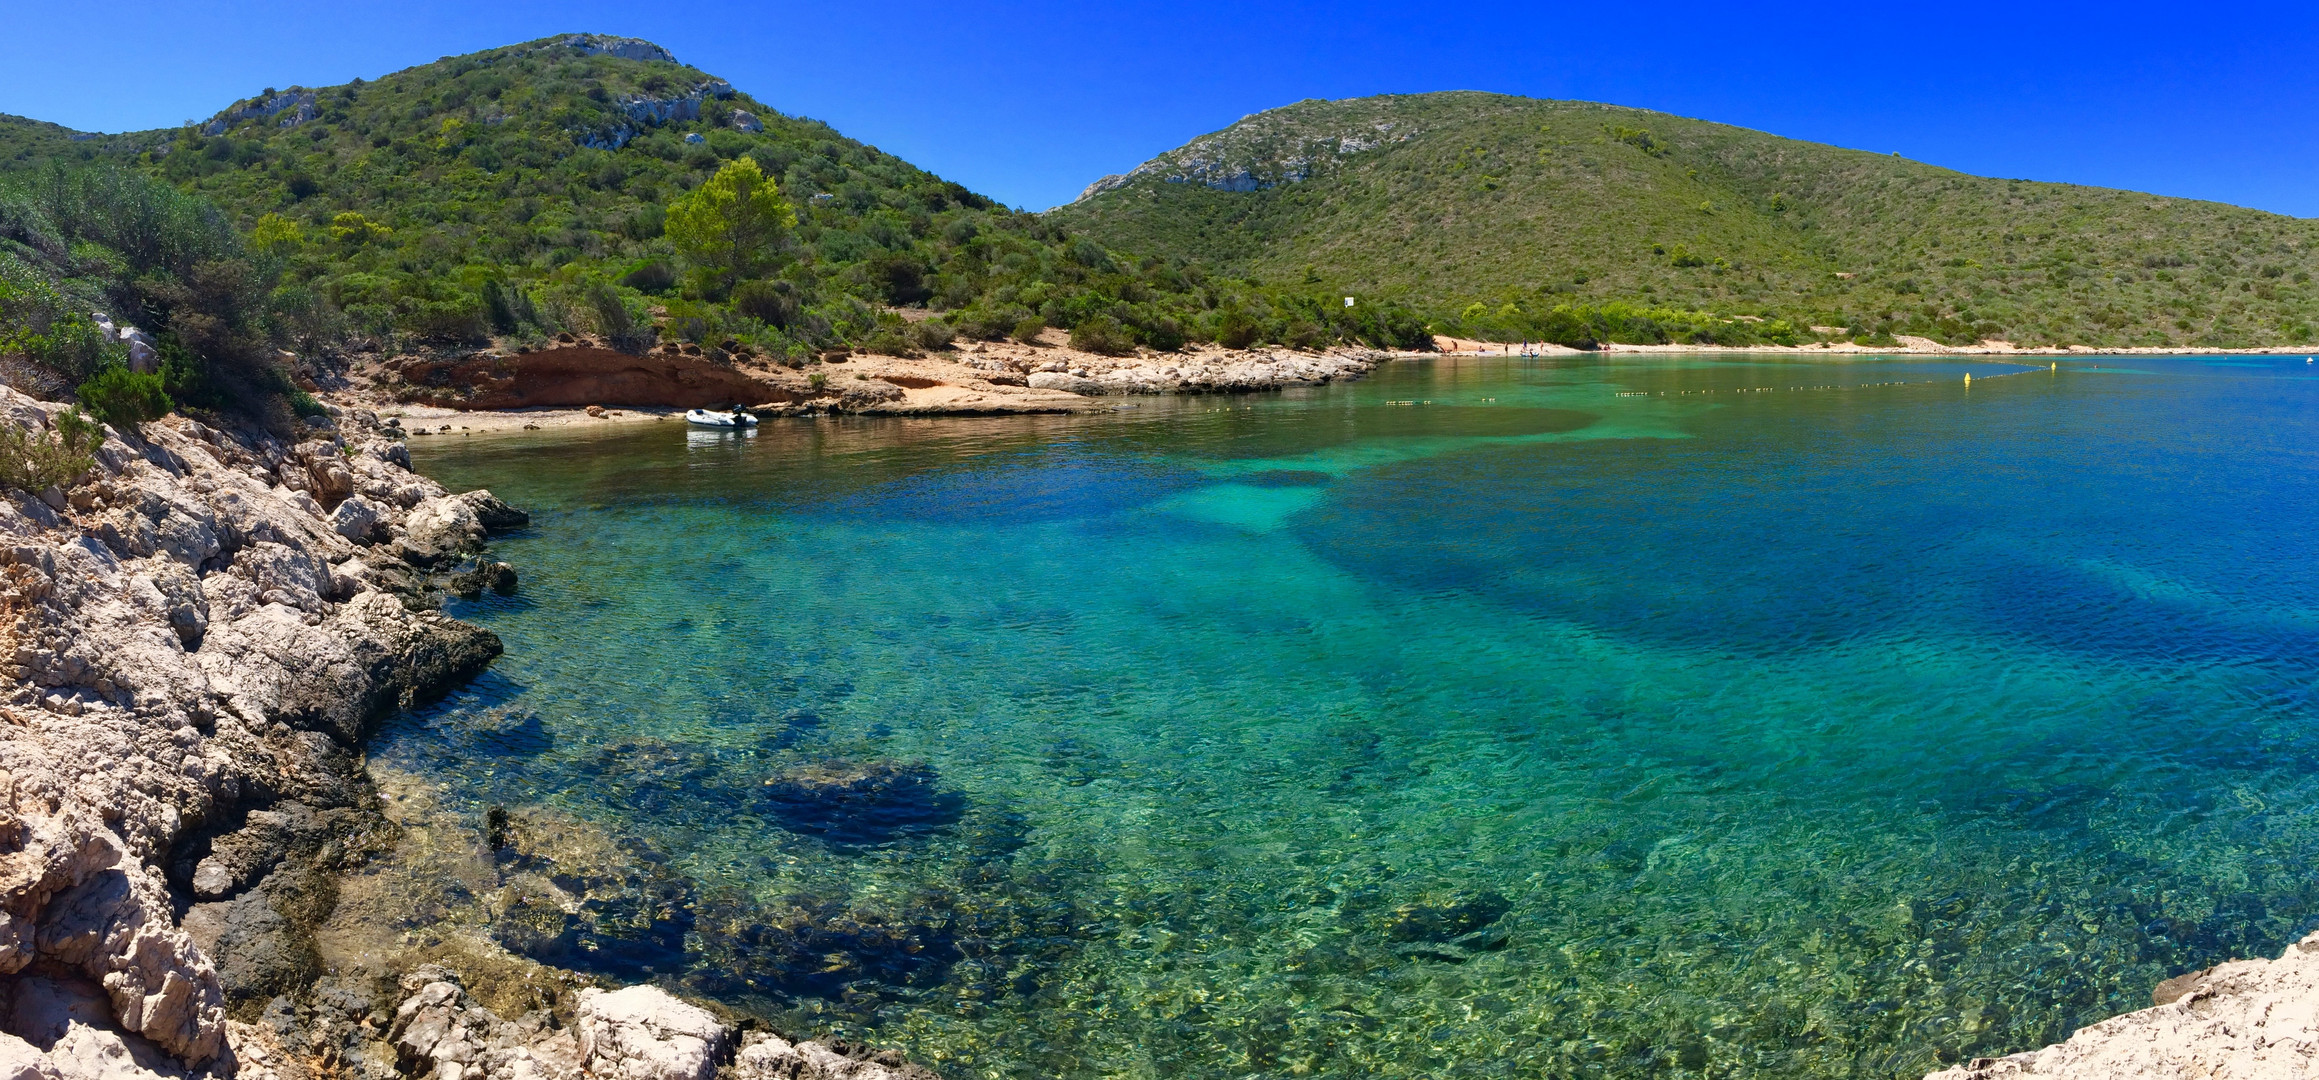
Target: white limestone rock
[442,528]
[2244,1020]
[643,1033]
[358,519]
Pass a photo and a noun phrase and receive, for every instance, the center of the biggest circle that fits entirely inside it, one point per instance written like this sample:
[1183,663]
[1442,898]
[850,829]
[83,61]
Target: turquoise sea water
[1659,716]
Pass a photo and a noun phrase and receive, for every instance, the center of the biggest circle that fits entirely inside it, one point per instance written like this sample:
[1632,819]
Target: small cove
[1620,716]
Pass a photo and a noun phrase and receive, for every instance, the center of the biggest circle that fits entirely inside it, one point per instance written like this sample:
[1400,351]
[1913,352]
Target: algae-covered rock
[577,897]
[862,803]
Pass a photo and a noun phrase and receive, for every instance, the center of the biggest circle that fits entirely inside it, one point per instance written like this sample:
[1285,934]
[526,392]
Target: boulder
[1064,381]
[643,1033]
[358,519]
[493,512]
[442,529]
[470,583]
[765,1056]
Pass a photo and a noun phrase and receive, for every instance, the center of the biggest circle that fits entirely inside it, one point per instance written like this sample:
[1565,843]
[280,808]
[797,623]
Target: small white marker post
[1348,301]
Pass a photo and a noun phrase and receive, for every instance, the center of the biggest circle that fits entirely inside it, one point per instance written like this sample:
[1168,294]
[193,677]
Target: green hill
[524,191]
[1450,200]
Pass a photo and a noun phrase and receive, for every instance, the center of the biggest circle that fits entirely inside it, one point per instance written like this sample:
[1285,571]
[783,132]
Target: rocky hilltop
[1274,147]
[200,632]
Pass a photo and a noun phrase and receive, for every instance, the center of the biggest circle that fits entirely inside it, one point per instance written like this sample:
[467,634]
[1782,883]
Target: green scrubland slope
[1453,200]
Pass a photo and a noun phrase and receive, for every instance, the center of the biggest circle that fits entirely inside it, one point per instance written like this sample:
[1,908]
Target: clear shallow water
[1609,717]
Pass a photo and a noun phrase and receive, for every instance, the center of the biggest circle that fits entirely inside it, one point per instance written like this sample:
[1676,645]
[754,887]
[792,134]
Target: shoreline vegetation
[1014,378]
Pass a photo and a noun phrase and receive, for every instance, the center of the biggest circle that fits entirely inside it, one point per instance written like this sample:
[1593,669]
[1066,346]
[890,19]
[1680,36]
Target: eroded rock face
[2243,1020]
[194,651]
[575,375]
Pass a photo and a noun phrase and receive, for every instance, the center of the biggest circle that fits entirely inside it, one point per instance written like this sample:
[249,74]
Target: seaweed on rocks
[861,804]
[578,897]
[1451,929]
[658,778]
[986,937]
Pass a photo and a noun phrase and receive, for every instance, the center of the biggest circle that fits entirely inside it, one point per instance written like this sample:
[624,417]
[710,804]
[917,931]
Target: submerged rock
[1451,930]
[765,1056]
[862,803]
[1445,920]
[825,949]
[575,896]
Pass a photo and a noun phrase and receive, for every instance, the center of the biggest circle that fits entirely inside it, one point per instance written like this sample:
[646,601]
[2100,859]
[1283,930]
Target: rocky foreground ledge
[2244,1020]
[199,634]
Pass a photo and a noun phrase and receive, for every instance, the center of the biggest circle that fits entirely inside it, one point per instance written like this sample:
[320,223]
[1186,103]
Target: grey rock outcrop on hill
[626,48]
[195,648]
[1266,149]
[298,101]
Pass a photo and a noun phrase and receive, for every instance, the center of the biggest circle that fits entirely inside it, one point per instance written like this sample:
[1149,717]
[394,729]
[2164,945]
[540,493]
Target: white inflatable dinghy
[733,419]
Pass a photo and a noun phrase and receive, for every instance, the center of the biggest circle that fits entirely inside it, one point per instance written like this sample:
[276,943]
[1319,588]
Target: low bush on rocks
[124,398]
[1102,334]
[36,461]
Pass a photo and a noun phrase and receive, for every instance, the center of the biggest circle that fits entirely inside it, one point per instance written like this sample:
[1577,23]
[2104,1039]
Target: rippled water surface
[1620,717]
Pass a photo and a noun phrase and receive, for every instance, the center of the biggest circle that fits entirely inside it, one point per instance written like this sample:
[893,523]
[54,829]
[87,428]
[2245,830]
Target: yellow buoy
[1968,378]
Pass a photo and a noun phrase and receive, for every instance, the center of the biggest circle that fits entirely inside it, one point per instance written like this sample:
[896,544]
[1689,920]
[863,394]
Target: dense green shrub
[35,461]
[124,398]
[650,275]
[1162,332]
[40,324]
[775,303]
[931,334]
[622,322]
[1027,330]
[1236,329]
[1102,334]
[458,320]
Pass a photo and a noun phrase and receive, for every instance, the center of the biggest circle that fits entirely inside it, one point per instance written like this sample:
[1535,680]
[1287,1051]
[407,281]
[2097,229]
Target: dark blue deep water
[1659,716]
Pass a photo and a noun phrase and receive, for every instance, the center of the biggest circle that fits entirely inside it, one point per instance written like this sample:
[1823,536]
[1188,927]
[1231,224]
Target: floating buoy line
[1821,386]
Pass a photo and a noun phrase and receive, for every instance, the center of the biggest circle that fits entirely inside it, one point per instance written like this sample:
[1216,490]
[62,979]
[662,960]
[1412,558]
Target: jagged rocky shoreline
[200,633]
[980,378]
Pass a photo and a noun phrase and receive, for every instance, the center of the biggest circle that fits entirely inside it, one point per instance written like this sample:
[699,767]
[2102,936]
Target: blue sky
[1028,102]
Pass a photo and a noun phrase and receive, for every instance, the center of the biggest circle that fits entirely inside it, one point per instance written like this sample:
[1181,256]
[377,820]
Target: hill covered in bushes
[524,191]
[1492,212]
